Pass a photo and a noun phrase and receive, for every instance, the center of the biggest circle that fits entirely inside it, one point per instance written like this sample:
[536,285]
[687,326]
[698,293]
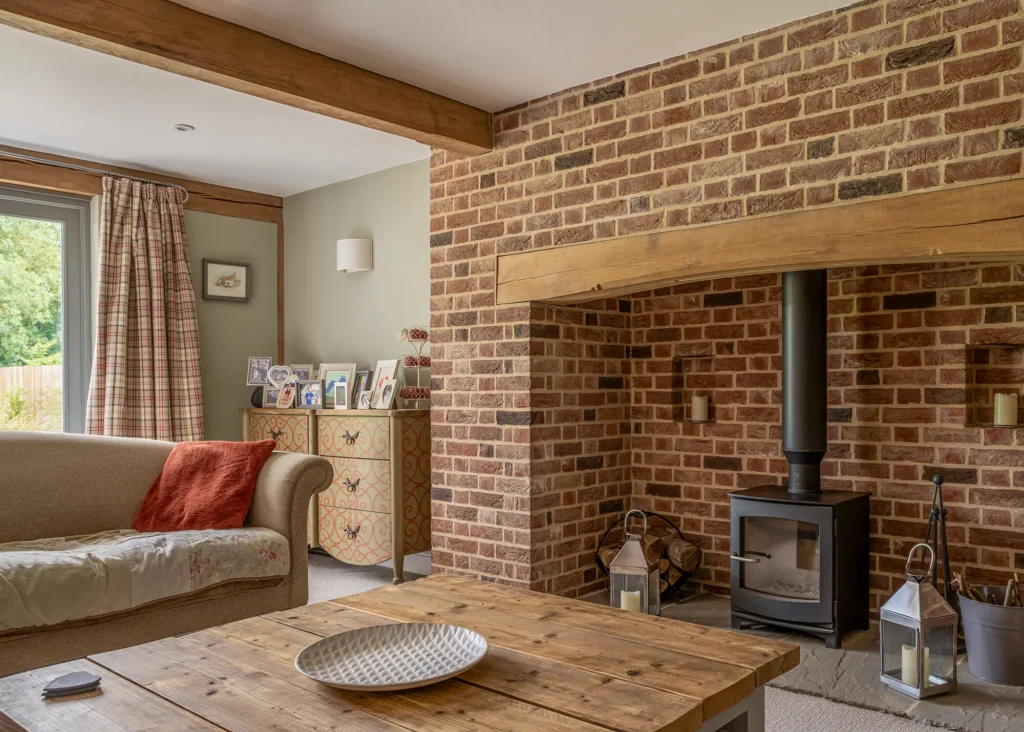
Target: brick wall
[879,99]
[899,379]
[580,394]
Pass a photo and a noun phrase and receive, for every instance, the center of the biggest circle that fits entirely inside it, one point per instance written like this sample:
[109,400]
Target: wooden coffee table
[553,664]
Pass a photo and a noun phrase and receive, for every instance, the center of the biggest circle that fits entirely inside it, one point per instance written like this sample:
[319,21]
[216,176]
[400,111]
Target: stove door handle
[748,560]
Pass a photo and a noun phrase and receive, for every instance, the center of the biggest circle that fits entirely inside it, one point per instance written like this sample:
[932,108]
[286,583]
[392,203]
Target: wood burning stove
[800,561]
[799,554]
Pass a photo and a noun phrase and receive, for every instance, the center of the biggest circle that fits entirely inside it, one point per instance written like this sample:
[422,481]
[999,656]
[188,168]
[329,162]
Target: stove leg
[737,623]
[833,641]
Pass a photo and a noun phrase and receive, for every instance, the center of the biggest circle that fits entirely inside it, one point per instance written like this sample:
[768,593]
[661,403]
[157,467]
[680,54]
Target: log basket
[676,555]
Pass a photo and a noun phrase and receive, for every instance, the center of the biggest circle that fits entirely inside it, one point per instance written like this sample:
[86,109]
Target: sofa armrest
[280,502]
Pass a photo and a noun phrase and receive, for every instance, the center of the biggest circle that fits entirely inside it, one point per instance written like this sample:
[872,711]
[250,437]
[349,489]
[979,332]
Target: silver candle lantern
[634,583]
[918,636]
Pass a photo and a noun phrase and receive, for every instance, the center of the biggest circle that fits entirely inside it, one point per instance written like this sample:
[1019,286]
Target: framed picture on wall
[227,280]
[303,371]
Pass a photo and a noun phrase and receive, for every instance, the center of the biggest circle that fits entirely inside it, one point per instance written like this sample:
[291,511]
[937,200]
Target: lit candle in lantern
[630,600]
[699,408]
[909,675]
[1006,409]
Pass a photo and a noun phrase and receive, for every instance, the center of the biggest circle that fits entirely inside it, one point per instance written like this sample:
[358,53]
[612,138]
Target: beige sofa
[58,485]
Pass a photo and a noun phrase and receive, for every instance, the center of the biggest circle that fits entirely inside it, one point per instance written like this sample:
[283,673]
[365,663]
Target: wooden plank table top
[553,664]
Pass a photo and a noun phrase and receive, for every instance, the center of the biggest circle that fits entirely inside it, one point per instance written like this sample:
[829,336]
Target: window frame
[73,212]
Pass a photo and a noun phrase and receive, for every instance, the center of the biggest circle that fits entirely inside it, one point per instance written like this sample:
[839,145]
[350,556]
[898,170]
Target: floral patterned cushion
[49,581]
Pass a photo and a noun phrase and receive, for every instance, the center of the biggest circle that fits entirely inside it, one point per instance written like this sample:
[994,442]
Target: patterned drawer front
[416,454]
[416,468]
[356,537]
[364,485]
[290,430]
[417,522]
[367,437]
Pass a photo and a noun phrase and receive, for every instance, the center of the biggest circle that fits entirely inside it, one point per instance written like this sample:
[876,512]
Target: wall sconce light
[355,255]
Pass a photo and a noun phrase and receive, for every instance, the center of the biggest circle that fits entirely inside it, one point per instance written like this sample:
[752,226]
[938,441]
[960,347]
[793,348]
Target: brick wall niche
[548,422]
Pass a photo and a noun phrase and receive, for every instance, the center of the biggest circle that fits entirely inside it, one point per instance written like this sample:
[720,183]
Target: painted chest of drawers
[295,431]
[378,506]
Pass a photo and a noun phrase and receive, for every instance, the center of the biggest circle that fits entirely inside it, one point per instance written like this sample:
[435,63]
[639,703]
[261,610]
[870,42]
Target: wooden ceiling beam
[168,36]
[205,197]
[974,223]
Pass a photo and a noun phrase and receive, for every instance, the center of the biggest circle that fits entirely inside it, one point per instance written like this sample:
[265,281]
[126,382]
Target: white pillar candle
[699,408]
[630,600]
[909,670]
[1006,409]
[909,667]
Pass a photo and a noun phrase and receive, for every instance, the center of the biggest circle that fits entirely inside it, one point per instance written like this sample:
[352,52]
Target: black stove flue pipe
[804,376]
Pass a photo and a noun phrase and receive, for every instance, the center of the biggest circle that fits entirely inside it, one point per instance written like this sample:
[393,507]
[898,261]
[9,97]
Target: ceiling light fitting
[184,128]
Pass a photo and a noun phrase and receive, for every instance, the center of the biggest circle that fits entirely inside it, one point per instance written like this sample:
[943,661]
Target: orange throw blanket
[204,485]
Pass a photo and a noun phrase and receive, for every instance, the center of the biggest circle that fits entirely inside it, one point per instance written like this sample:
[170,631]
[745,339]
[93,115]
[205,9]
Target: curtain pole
[84,169]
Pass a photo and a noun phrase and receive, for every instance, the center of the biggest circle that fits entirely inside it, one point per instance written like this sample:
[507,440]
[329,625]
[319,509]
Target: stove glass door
[789,554]
[782,560]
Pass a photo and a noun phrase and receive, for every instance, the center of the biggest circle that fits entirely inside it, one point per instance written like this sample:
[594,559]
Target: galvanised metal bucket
[995,638]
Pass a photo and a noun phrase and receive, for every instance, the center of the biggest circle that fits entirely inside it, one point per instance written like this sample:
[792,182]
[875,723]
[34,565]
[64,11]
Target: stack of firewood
[1013,594]
[675,557]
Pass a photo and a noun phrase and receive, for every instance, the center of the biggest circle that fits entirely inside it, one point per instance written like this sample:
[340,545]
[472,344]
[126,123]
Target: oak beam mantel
[974,223]
[168,36]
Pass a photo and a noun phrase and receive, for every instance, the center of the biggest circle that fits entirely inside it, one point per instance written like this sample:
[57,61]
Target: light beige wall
[230,332]
[340,317]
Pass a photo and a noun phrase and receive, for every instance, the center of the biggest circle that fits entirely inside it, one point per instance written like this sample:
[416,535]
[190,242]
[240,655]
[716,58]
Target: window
[45,323]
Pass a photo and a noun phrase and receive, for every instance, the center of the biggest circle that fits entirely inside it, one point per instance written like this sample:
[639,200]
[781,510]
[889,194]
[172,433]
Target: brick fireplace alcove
[550,420]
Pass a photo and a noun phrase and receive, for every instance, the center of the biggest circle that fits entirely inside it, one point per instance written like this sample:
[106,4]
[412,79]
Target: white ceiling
[495,54]
[63,99]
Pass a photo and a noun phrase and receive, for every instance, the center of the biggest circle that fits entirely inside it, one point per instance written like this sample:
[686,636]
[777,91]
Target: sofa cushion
[50,581]
[203,485]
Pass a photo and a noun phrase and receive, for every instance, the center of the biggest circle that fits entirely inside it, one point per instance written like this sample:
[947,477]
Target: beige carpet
[786,711]
[329,578]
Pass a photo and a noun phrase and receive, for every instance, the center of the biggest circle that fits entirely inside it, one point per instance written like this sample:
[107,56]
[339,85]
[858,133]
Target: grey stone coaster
[77,682]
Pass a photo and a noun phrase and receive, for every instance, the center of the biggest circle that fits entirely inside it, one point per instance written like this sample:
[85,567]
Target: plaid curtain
[146,375]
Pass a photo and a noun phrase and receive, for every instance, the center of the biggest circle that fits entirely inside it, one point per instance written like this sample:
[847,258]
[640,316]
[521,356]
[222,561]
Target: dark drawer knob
[275,434]
[350,439]
[350,532]
[350,485]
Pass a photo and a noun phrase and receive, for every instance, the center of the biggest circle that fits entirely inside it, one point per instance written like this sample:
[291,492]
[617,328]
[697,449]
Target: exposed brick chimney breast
[548,422]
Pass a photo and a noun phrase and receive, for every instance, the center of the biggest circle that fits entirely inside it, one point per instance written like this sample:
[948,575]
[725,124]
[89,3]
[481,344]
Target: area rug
[786,711]
[329,578]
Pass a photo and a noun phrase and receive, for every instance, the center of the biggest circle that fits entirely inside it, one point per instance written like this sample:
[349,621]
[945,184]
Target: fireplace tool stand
[936,538]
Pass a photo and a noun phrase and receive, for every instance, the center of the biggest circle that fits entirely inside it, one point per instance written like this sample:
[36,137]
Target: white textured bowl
[392,657]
